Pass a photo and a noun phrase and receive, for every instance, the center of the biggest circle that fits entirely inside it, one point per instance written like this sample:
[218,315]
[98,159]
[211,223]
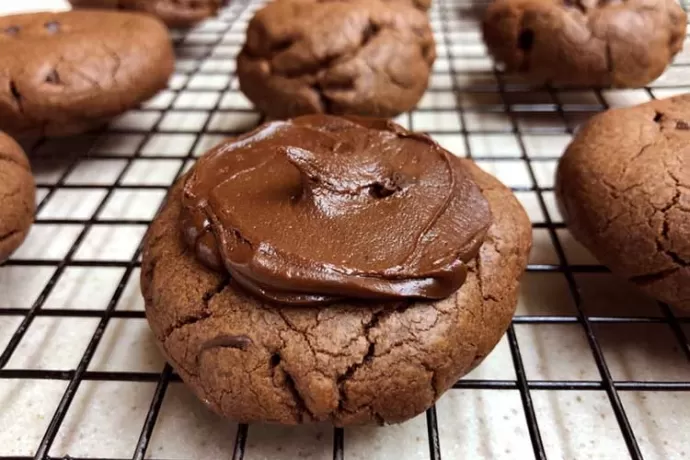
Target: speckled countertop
[589,369]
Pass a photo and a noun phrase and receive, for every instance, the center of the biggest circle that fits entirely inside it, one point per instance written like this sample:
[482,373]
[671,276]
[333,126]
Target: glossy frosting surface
[321,208]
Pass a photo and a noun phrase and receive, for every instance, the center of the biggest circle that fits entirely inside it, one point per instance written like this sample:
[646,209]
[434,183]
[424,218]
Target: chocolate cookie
[624,189]
[364,57]
[17,196]
[64,73]
[175,13]
[585,42]
[422,5]
[348,361]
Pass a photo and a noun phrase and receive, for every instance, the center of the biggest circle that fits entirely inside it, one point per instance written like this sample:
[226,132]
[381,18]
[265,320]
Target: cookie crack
[17,96]
[300,405]
[12,159]
[651,278]
[8,235]
[83,75]
[343,354]
[433,381]
[674,256]
[610,63]
[635,157]
[353,368]
[205,313]
[116,60]
[324,101]
[665,227]
[370,33]
[677,259]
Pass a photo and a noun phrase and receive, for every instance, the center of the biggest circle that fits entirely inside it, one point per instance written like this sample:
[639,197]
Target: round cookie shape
[358,57]
[585,42]
[174,13]
[623,186]
[17,196]
[348,362]
[64,73]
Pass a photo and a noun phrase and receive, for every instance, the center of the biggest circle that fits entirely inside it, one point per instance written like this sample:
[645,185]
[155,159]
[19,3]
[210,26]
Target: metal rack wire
[503,90]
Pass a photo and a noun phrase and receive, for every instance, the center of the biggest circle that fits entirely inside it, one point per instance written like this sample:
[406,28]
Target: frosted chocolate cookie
[357,57]
[64,73]
[585,42]
[175,13]
[624,188]
[331,269]
[17,196]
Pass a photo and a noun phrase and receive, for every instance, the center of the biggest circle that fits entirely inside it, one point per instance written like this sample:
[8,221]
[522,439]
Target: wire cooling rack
[588,368]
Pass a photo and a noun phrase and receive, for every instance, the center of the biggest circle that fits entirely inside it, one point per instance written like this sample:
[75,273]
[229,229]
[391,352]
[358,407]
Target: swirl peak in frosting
[322,208]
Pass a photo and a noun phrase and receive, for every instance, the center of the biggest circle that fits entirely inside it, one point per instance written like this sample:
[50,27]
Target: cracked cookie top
[62,73]
[357,57]
[586,42]
[321,208]
[422,5]
[175,13]
[624,189]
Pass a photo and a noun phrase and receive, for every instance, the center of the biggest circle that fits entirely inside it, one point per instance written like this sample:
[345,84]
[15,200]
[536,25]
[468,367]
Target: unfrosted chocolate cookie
[17,196]
[624,188]
[348,361]
[358,57]
[585,42]
[175,13]
[64,73]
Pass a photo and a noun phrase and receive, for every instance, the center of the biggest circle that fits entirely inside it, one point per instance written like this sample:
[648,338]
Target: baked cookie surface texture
[279,297]
[357,57]
[64,73]
[585,42]
[17,196]
[422,5]
[624,188]
[175,13]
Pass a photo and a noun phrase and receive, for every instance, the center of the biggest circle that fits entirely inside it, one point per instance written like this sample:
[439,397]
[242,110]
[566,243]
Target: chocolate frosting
[321,208]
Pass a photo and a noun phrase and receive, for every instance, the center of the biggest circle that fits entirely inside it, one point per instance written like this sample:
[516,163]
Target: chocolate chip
[682,125]
[12,30]
[657,116]
[53,27]
[240,342]
[526,39]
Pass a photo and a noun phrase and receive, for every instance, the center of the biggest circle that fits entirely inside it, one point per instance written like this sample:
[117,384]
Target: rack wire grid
[588,368]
